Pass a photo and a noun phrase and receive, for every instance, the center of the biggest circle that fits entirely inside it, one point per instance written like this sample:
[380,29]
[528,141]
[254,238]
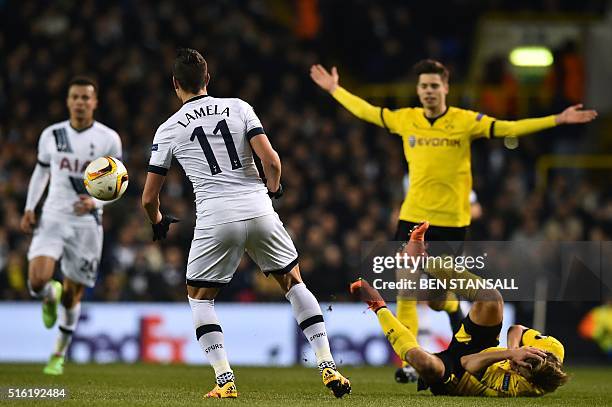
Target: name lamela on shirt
[204,111]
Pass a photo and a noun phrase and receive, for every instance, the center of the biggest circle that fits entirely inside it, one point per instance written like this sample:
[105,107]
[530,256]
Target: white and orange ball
[106,178]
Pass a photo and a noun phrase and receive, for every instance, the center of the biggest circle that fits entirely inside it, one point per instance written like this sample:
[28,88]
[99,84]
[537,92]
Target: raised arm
[571,115]
[329,82]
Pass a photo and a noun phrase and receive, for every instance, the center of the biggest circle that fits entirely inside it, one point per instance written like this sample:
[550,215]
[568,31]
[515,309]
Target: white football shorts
[78,246]
[216,251]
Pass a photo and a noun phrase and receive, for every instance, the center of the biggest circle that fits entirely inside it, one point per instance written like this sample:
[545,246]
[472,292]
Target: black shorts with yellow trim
[470,338]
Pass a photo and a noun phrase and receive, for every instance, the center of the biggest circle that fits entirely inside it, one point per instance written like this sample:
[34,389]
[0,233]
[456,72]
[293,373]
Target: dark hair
[549,375]
[431,66]
[190,70]
[83,81]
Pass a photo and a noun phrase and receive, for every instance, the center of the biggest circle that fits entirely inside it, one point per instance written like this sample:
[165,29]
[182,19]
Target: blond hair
[549,375]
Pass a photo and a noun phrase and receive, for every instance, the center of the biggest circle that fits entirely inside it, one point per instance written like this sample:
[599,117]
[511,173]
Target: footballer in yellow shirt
[473,364]
[436,140]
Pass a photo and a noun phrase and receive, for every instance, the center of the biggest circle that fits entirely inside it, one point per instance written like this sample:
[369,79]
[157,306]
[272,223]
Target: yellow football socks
[407,313]
[401,338]
[408,316]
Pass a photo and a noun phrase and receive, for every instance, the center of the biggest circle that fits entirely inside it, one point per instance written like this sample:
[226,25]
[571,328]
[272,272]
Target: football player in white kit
[69,229]
[213,139]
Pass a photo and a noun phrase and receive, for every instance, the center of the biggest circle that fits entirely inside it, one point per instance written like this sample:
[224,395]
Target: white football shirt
[209,137]
[68,152]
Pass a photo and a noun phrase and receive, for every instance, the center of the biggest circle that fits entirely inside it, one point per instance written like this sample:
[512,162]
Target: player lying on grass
[473,364]
[214,140]
[436,140]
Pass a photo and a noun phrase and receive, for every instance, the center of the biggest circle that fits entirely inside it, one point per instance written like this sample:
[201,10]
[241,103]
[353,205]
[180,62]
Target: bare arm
[515,333]
[477,362]
[150,196]
[269,160]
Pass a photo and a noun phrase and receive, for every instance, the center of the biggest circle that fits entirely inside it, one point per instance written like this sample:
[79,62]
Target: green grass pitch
[178,385]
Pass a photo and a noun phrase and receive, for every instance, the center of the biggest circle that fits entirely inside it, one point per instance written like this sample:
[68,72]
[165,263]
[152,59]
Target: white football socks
[309,317]
[210,338]
[68,319]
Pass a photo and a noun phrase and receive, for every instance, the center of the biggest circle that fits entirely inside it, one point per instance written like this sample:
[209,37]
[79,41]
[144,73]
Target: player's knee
[494,298]
[428,367]
[36,283]
[490,301]
[40,271]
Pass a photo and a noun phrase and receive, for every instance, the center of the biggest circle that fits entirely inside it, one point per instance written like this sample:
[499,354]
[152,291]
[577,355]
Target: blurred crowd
[343,178]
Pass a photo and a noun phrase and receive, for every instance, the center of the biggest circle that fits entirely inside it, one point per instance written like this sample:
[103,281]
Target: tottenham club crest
[412,140]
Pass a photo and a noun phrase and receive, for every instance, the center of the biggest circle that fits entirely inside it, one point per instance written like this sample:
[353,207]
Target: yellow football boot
[338,384]
[227,391]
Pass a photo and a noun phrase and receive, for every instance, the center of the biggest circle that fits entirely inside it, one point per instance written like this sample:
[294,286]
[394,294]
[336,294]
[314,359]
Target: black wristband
[279,192]
[160,230]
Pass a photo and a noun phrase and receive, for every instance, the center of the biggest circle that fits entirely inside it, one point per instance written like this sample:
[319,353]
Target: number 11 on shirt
[208,152]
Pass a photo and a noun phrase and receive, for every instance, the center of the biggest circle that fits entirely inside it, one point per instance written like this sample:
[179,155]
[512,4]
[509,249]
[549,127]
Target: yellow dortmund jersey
[501,377]
[438,154]
[439,159]
[499,380]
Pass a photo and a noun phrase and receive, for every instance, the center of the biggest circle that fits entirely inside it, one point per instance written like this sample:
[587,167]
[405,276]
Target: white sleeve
[161,150]
[44,148]
[41,174]
[252,123]
[38,183]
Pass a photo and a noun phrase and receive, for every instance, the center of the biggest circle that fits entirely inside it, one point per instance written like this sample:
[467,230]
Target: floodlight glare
[532,56]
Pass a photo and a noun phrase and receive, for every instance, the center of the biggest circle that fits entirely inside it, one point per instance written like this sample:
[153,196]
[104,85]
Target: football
[106,178]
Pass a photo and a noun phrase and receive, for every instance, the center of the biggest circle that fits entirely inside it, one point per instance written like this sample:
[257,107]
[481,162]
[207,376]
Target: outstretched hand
[327,81]
[574,115]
